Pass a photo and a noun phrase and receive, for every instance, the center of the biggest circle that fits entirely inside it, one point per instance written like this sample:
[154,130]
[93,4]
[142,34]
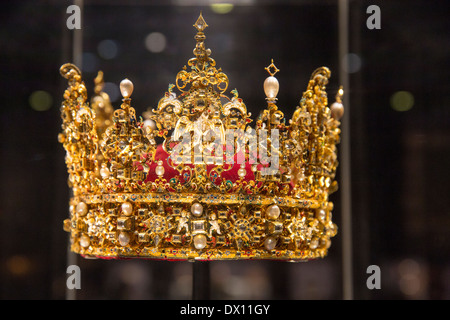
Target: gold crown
[214,188]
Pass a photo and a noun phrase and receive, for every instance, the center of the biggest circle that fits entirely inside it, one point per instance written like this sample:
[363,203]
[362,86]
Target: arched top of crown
[70,71]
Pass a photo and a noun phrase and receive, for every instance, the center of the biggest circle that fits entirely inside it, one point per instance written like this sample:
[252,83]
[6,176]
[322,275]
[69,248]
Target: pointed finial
[99,82]
[200,24]
[340,94]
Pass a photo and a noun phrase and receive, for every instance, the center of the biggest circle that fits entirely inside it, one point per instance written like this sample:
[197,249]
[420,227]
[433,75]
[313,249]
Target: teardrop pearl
[271,87]
[200,241]
[197,209]
[82,209]
[127,208]
[126,88]
[314,244]
[104,172]
[159,170]
[124,239]
[321,214]
[85,241]
[273,212]
[270,243]
[337,110]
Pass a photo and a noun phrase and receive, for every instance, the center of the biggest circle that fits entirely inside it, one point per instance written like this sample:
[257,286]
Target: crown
[192,179]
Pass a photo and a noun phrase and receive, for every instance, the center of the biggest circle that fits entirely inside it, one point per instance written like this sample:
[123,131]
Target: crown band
[192,226]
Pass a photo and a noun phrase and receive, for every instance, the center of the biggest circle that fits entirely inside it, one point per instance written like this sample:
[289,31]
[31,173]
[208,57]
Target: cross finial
[200,24]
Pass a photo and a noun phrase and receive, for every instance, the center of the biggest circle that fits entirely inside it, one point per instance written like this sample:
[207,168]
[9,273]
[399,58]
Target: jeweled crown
[213,187]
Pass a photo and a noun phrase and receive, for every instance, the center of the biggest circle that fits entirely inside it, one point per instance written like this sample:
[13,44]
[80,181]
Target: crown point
[271,67]
[126,88]
[200,24]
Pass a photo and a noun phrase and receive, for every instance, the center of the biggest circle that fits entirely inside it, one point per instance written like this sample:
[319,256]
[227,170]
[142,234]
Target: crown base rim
[217,255]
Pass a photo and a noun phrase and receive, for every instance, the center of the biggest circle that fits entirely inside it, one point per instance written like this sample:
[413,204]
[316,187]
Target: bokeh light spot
[40,100]
[402,101]
[352,63]
[155,42]
[108,49]
[222,8]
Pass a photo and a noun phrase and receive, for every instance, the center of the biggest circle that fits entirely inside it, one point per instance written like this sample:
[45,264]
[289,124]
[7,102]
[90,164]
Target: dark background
[399,159]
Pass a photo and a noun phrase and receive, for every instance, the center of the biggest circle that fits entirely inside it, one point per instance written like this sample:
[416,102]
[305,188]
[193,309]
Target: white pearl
[271,87]
[82,209]
[197,209]
[273,212]
[199,241]
[85,241]
[270,243]
[242,172]
[159,171]
[126,88]
[149,124]
[337,110]
[321,214]
[80,113]
[124,239]
[104,172]
[127,208]
[314,244]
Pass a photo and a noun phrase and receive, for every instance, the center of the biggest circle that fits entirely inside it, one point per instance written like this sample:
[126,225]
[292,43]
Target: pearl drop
[159,171]
[85,241]
[124,239]
[242,172]
[82,209]
[270,243]
[104,172]
[321,214]
[199,241]
[337,110]
[126,88]
[127,208]
[271,87]
[197,209]
[273,212]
